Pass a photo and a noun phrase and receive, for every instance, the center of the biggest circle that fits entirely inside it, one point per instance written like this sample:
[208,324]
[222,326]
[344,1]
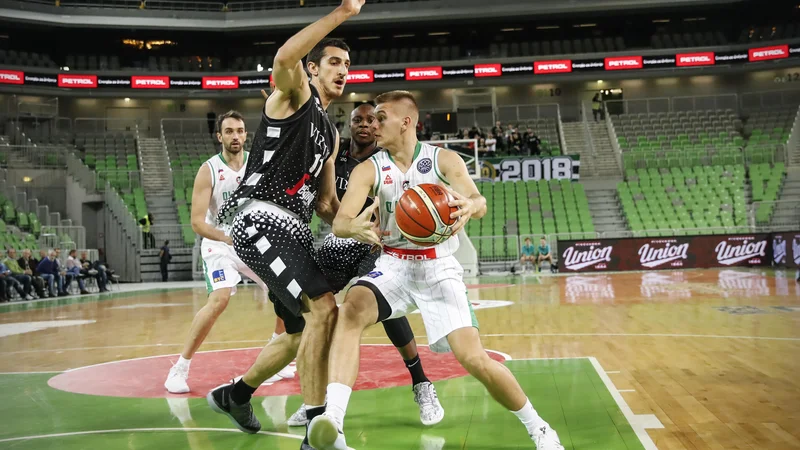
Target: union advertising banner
[656,253]
[786,249]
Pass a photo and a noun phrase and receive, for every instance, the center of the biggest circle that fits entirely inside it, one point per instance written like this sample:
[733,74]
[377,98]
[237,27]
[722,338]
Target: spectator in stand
[515,144]
[528,252]
[491,144]
[482,145]
[544,255]
[165,258]
[17,273]
[597,106]
[74,269]
[532,142]
[474,133]
[94,270]
[49,271]
[28,265]
[62,270]
[11,282]
[497,129]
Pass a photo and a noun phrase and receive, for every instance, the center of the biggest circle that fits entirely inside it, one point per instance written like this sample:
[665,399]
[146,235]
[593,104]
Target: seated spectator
[515,144]
[74,268]
[49,271]
[28,265]
[528,251]
[17,273]
[94,270]
[9,282]
[544,255]
[482,145]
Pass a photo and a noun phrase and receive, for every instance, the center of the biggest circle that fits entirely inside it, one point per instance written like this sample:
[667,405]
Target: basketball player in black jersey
[341,260]
[289,176]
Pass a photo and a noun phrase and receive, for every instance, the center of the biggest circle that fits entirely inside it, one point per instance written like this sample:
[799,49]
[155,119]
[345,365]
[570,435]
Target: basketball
[423,214]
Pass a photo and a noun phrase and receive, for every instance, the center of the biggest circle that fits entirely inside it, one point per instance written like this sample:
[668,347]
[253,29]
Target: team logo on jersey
[424,165]
[218,276]
[405,185]
[374,274]
[388,180]
[222,178]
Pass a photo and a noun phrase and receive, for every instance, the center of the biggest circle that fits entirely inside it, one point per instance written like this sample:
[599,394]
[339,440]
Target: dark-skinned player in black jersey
[342,260]
[289,176]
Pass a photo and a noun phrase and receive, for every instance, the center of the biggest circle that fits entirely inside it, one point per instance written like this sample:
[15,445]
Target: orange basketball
[423,214]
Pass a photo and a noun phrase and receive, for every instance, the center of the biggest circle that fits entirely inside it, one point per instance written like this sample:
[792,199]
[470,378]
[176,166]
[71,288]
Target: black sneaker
[219,399]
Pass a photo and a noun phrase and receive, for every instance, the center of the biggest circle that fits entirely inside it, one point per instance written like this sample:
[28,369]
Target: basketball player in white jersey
[215,181]
[408,277]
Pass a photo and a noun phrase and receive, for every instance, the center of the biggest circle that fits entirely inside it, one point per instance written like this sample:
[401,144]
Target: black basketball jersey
[286,161]
[345,164]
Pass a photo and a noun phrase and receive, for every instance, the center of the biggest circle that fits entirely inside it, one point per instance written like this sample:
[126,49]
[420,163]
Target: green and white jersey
[390,183]
[224,181]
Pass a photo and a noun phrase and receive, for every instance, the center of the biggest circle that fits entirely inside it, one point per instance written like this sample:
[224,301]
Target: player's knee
[218,301]
[475,362]
[352,315]
[322,310]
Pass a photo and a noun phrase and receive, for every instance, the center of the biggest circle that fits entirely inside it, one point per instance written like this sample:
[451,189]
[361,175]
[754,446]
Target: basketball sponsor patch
[218,276]
[374,274]
[424,165]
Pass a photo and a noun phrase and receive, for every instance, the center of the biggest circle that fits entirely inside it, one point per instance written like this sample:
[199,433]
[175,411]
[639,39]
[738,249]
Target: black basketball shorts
[280,250]
[341,260]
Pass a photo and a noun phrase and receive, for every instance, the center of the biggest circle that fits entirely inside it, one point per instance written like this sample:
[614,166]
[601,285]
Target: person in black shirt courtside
[289,176]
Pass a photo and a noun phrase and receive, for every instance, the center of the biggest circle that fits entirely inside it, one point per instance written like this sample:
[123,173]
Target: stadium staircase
[157,186]
[787,211]
[602,163]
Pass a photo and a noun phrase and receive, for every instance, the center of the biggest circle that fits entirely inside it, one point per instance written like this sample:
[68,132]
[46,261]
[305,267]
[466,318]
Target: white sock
[183,362]
[529,417]
[274,336]
[338,396]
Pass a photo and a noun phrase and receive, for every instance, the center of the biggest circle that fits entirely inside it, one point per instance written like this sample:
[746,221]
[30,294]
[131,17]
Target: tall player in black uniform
[341,260]
[288,177]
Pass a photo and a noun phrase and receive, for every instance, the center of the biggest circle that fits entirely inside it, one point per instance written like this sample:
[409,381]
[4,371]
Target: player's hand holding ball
[466,208]
[352,7]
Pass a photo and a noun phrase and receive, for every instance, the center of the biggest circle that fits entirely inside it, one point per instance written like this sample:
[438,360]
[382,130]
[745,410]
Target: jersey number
[316,168]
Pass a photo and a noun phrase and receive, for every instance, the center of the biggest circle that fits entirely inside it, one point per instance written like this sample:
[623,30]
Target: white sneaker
[28,297]
[299,418]
[546,438]
[176,380]
[324,434]
[284,374]
[430,410]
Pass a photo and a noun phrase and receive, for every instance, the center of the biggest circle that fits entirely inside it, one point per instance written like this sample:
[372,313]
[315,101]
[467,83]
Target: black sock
[242,393]
[414,367]
[310,414]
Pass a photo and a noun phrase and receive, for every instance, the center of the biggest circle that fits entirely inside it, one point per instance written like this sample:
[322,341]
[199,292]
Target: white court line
[29,373]
[140,430]
[626,390]
[612,371]
[701,336]
[639,422]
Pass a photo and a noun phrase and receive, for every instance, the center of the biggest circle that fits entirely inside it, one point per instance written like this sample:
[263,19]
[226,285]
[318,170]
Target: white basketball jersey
[390,183]
[224,182]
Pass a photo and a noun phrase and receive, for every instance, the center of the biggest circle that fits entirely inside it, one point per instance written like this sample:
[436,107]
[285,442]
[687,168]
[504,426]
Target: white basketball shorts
[434,286]
[223,268]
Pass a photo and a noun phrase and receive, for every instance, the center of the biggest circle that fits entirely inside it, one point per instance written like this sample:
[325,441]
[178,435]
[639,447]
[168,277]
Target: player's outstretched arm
[201,197]
[469,200]
[328,201]
[348,222]
[291,81]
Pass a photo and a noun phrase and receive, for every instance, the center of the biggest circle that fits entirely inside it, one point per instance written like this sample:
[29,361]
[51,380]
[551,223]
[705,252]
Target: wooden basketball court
[692,359]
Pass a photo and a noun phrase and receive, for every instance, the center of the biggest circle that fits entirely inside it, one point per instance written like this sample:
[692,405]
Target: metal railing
[470,156]
[104,125]
[33,157]
[673,104]
[65,237]
[769,99]
[123,238]
[612,136]
[793,144]
[179,236]
[562,141]
[197,126]
[522,113]
[780,215]
[83,174]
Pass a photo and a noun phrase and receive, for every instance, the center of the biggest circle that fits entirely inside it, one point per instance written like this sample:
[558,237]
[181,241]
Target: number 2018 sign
[555,168]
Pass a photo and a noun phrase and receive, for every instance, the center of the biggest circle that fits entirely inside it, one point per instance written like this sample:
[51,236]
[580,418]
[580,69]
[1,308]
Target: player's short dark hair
[318,52]
[395,96]
[232,114]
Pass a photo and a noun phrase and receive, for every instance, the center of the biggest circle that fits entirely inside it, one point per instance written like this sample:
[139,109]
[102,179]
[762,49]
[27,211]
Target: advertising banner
[786,249]
[532,168]
[655,253]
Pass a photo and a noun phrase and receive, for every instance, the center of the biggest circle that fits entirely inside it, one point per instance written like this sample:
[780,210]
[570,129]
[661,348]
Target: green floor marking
[568,393]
